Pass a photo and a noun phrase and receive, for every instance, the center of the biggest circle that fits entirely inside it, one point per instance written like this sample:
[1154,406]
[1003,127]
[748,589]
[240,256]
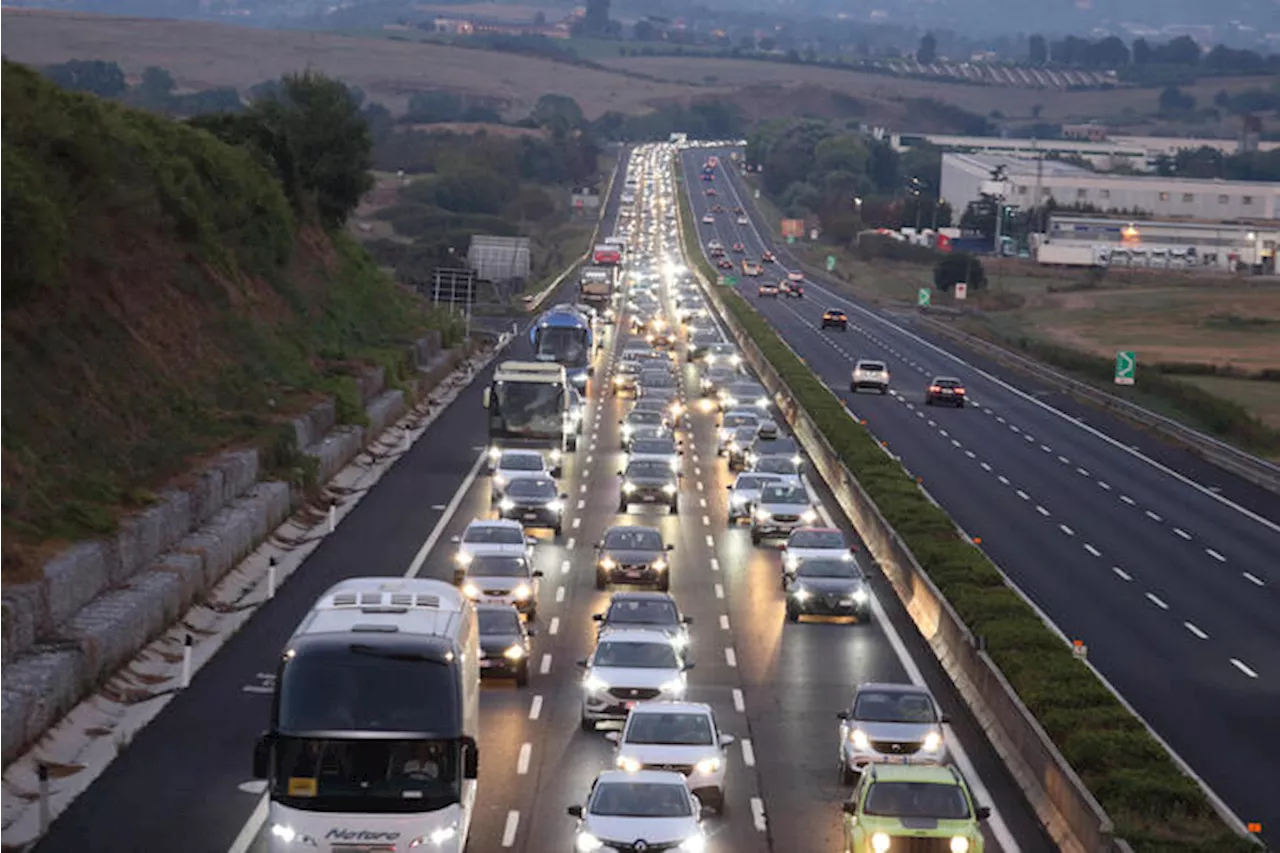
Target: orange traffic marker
[1255,828]
[977,540]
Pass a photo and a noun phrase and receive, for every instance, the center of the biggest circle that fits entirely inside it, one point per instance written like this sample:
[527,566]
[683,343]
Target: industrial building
[1030,183]
[1075,240]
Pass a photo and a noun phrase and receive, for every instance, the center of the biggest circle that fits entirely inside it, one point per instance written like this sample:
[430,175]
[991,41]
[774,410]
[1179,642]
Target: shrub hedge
[1154,805]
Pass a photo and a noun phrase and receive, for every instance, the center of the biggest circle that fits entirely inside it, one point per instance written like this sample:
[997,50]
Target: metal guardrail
[1260,472]
[533,303]
[1069,811]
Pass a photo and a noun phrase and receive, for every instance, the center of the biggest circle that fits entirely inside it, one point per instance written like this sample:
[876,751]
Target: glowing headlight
[675,466]
[288,835]
[659,565]
[595,683]
[556,455]
[499,480]
[808,516]
[627,763]
[796,459]
[763,402]
[464,558]
[675,686]
[707,765]
[879,842]
[738,500]
[959,844]
[679,641]
[676,408]
[932,741]
[628,487]
[801,594]
[705,405]
[506,504]
[608,563]
[860,596]
[735,360]
[728,402]
[436,838]
[587,843]
[556,505]
[627,429]
[522,592]
[669,489]
[693,844]
[514,652]
[495,453]
[470,590]
[860,739]
[618,379]
[763,514]
[732,447]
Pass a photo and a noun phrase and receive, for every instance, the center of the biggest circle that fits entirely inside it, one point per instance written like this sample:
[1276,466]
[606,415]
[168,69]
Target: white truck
[1070,255]
[373,740]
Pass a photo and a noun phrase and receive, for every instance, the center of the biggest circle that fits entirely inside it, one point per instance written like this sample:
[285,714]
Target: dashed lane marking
[1157,601]
[719,591]
[1240,665]
[1122,573]
[1195,630]
[509,831]
[522,760]
[739,703]
[546,664]
[748,753]
[724,622]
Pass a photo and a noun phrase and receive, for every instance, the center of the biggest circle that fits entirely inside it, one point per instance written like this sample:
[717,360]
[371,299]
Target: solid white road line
[535,707]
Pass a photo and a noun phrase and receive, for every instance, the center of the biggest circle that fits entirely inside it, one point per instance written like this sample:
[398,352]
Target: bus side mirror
[485,398]
[262,757]
[470,759]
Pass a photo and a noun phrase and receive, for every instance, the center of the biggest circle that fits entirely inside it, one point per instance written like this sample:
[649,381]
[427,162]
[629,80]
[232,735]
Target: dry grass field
[203,55]
[1261,398]
[1012,102]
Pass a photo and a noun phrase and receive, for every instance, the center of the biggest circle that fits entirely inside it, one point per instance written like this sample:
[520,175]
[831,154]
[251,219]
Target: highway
[181,784]
[1165,568]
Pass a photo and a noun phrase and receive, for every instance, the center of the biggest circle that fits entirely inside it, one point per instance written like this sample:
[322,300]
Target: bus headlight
[880,842]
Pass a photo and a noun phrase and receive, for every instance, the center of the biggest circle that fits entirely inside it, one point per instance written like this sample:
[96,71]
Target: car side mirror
[843,715]
[850,808]
[671,547]
[726,740]
[262,756]
[689,666]
[597,617]
[688,620]
[984,812]
[471,758]
[564,496]
[620,474]
[582,664]
[536,573]
[613,737]
[575,811]
[455,539]
[944,719]
[529,540]
[853,549]
[531,631]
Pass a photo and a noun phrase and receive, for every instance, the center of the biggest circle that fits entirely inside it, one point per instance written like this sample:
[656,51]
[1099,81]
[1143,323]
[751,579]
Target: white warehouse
[1028,183]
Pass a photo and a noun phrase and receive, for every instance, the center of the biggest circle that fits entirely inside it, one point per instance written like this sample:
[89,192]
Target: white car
[807,543]
[782,507]
[732,420]
[651,809]
[491,579]
[515,464]
[744,493]
[742,220]
[782,467]
[870,374]
[502,537]
[678,736]
[629,667]
[708,219]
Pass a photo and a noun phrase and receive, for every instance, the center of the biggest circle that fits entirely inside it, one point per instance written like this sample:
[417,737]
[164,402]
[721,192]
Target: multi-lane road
[1166,568]
[183,784]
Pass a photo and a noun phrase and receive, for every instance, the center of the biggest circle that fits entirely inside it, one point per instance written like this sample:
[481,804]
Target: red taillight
[959,390]
[934,389]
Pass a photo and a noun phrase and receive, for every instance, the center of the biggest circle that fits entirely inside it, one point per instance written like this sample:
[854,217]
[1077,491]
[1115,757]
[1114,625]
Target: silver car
[730,423]
[661,449]
[890,723]
[640,418]
[744,493]
[782,507]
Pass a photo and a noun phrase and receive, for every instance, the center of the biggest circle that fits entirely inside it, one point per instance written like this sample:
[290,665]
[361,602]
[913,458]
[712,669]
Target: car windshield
[828,569]
[747,391]
[916,799]
[530,487]
[633,539]
[724,349]
[817,539]
[497,622]
[894,706]
[641,416]
[734,421]
[947,383]
[871,366]
[640,799]
[492,534]
[669,728]
[648,468]
[521,462]
[783,493]
[489,566]
[642,611]
[745,434]
[654,446]
[748,482]
[636,655]
[777,465]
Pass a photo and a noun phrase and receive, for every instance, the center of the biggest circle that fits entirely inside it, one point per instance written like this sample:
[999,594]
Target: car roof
[835,310]
[641,595]
[635,635]
[516,451]
[947,379]
[494,522]
[631,527]
[815,529]
[939,775]
[508,608]
[870,361]
[658,777]
[668,706]
[893,687]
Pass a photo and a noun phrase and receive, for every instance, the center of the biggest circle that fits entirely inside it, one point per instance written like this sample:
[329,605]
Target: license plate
[530,516]
[495,601]
[946,393]
[485,664]
[648,498]
[634,573]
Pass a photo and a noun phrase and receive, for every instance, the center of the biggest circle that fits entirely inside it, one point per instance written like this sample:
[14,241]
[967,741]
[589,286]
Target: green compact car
[912,809]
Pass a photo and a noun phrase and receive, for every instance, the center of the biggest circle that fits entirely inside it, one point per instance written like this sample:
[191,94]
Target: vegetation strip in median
[1154,805]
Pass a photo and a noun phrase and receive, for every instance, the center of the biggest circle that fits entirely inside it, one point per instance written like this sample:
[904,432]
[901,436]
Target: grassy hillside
[162,301]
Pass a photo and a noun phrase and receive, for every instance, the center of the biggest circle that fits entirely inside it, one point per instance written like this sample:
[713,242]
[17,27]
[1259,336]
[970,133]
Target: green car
[912,809]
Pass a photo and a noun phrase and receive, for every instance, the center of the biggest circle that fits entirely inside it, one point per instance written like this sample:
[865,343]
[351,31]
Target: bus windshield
[365,776]
[533,409]
[565,345]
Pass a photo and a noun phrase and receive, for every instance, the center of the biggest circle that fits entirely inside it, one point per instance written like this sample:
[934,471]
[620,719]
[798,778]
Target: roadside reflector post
[187,643]
[1254,827]
[333,515]
[42,773]
[271,577]
[1079,649]
[977,540]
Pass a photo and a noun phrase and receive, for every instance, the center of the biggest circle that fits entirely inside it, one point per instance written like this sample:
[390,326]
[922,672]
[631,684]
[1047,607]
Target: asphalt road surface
[1164,566]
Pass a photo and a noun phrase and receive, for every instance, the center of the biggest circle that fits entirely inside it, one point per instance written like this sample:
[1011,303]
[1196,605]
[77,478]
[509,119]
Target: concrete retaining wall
[1072,815]
[98,603]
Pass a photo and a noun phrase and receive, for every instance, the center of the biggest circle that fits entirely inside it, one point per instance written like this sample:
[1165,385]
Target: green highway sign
[731,281]
[791,239]
[1126,367]
[924,297]
[831,262]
